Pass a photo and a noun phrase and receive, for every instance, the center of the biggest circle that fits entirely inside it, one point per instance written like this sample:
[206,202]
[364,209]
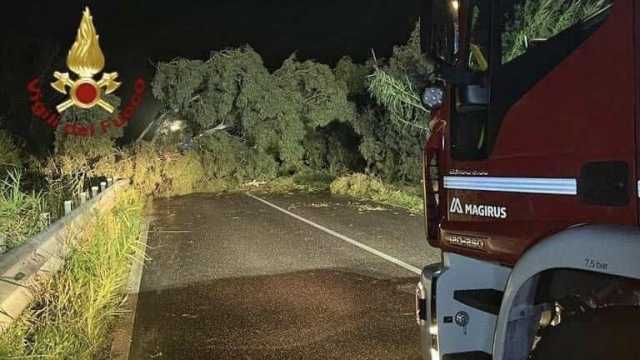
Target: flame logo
[85,57]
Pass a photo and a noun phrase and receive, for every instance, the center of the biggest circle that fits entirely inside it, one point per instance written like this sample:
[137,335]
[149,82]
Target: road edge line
[358,244]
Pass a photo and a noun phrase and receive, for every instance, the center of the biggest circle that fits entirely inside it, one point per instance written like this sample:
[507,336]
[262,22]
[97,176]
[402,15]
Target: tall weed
[21,213]
[74,311]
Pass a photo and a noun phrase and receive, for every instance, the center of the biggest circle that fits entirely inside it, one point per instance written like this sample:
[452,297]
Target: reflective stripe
[517,185]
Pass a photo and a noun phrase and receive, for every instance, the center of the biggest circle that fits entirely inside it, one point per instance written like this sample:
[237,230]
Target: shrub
[354,76]
[153,170]
[77,157]
[228,157]
[74,310]
[78,160]
[333,149]
[10,154]
[176,82]
[250,123]
[159,171]
[21,214]
[392,152]
[367,187]
[394,133]
[182,174]
[88,117]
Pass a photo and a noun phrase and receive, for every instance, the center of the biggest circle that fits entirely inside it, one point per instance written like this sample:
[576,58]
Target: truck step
[487,300]
[472,355]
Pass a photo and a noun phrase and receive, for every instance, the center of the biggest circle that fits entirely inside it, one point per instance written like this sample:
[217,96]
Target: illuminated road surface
[231,277]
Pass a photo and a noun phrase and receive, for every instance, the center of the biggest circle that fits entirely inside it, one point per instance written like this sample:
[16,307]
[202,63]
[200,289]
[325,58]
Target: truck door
[543,137]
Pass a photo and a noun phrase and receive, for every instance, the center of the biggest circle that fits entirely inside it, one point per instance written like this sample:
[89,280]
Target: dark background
[134,34]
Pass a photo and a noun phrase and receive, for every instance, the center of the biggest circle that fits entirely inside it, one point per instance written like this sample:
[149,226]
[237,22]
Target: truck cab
[531,178]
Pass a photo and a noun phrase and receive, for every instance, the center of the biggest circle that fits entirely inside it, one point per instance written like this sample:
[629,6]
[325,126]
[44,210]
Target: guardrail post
[68,206]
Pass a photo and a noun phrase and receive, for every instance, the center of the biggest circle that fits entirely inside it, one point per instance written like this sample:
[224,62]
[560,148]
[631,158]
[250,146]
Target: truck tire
[603,334]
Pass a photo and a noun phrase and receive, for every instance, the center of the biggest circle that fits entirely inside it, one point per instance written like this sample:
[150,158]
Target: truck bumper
[456,316]
[426,311]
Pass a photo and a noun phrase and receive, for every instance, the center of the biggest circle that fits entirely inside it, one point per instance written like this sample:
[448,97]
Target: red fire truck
[531,180]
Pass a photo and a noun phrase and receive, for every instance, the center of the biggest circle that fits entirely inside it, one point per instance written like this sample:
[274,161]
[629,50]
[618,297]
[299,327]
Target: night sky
[136,33]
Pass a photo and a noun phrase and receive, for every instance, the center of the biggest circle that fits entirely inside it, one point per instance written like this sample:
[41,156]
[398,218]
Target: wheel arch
[605,249]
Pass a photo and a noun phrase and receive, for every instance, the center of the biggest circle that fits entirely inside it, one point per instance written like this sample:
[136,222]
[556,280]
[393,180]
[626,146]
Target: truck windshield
[440,31]
[529,23]
[508,46]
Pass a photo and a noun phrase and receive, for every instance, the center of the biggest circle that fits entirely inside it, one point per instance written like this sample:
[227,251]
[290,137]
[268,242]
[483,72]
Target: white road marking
[362,246]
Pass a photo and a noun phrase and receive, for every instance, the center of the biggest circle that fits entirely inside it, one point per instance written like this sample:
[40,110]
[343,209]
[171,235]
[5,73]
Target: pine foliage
[256,114]
[394,131]
[251,123]
[90,118]
[10,154]
[542,19]
[399,97]
[397,86]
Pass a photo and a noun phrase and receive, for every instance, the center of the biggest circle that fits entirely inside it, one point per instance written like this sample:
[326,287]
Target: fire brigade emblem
[85,59]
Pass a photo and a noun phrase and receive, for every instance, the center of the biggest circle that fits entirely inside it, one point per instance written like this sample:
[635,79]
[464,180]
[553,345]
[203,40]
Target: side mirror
[473,98]
[433,97]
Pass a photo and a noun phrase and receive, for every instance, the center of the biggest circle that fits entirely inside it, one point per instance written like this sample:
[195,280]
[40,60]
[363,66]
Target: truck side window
[528,23]
[479,46]
[470,117]
[440,30]
[535,37]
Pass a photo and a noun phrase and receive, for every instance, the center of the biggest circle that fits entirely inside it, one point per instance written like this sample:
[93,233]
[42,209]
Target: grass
[73,313]
[304,182]
[366,187]
[21,214]
[74,310]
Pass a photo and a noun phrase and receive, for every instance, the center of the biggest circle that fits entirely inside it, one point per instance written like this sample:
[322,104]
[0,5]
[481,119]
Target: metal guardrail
[23,267]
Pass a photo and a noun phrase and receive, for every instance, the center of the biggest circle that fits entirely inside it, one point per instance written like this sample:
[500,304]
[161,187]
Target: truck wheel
[604,334]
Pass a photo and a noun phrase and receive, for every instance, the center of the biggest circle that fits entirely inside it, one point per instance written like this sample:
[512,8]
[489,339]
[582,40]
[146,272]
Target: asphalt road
[231,277]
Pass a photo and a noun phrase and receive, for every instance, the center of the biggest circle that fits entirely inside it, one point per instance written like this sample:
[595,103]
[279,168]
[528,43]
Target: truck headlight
[433,97]
[426,311]
[421,305]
